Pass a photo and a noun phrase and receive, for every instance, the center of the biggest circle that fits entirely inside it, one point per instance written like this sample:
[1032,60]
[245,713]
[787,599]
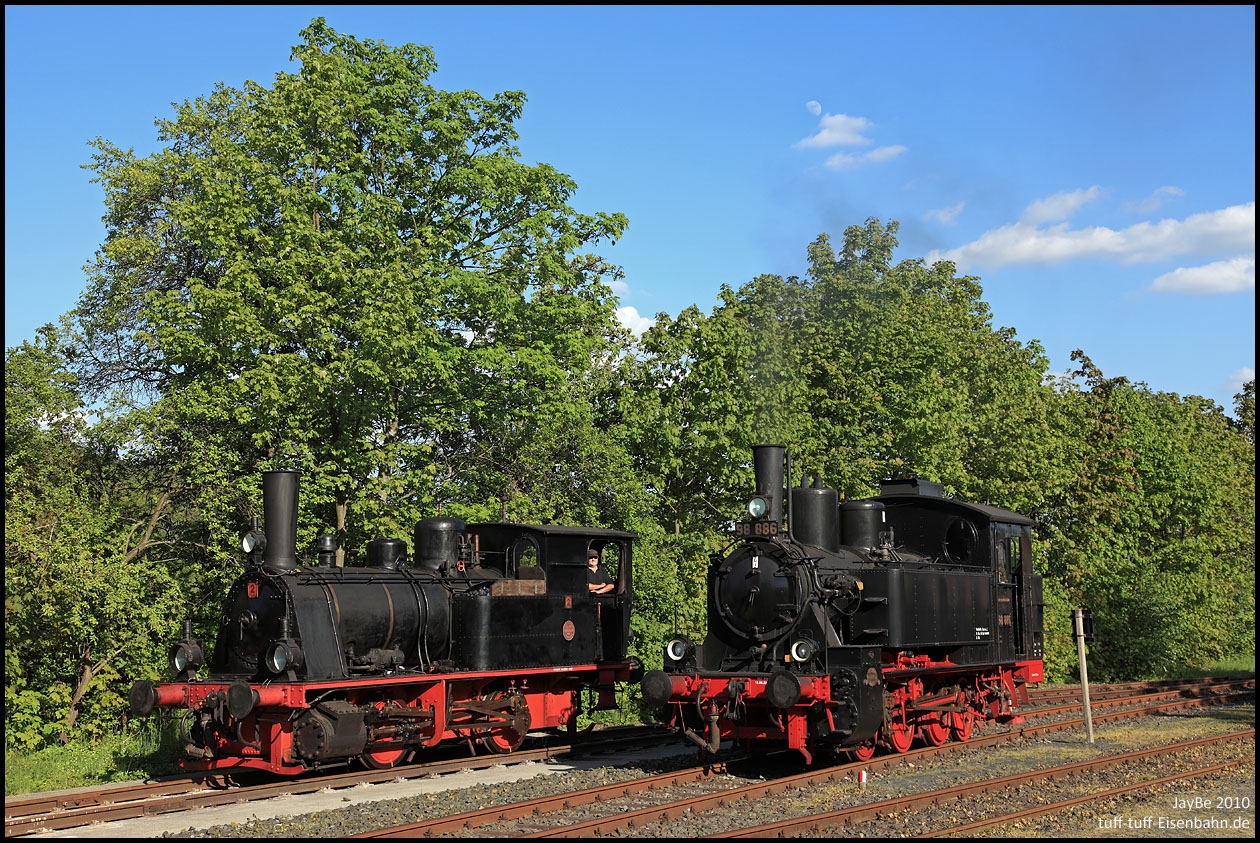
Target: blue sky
[1093,166]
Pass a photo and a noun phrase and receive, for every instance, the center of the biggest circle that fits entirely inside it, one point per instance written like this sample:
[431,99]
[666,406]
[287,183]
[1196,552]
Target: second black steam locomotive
[481,634]
[849,627]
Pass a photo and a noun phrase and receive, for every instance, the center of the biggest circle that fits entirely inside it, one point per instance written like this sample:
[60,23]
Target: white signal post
[1078,623]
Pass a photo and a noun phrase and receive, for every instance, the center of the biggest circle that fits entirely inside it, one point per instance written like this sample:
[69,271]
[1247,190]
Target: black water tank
[386,553]
[861,522]
[437,542]
[814,515]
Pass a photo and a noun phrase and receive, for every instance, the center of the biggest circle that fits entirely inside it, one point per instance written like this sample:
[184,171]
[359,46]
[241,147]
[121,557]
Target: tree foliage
[91,559]
[1155,532]
[348,273]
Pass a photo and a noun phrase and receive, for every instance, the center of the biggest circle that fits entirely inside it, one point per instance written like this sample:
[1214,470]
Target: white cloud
[843,130]
[839,130]
[815,107]
[945,215]
[1229,276]
[1239,378]
[631,320]
[619,287]
[1152,203]
[884,153]
[1229,230]
[1060,206]
[845,161]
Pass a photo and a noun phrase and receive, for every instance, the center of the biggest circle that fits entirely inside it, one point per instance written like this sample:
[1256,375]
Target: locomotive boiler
[478,633]
[847,627]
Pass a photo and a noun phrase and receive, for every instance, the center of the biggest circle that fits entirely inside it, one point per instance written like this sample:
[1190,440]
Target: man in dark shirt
[597,581]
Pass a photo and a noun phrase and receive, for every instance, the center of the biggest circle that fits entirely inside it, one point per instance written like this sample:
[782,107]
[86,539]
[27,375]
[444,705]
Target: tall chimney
[280,500]
[768,468]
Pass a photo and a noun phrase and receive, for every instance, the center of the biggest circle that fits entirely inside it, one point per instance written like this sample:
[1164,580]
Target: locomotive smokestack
[768,468]
[280,499]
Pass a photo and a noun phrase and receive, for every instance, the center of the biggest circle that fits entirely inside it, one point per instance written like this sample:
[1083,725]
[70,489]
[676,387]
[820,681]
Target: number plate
[756,529]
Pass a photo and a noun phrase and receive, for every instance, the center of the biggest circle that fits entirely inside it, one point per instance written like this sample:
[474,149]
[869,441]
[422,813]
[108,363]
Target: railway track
[1044,696]
[684,802]
[688,797]
[1050,713]
[55,811]
[1009,786]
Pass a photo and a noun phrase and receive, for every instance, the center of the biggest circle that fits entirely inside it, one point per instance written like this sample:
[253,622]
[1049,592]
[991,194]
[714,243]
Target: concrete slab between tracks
[329,800]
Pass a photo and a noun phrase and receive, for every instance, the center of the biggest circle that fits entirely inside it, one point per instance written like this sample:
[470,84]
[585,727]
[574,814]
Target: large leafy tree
[908,376]
[89,593]
[348,272]
[866,369]
[1155,532]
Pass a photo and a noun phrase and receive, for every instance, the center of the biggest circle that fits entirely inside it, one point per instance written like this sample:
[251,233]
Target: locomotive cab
[544,570]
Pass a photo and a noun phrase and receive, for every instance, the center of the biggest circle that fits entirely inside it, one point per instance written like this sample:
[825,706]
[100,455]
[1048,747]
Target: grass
[153,750]
[1227,667]
[149,752]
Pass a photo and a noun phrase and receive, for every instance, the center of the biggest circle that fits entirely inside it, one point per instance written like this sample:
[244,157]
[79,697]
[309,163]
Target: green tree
[85,597]
[349,273]
[1245,408]
[908,376]
[1156,532]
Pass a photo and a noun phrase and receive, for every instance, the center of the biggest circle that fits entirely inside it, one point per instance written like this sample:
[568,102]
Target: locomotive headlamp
[757,507]
[283,655]
[679,649]
[253,541]
[185,658]
[802,650]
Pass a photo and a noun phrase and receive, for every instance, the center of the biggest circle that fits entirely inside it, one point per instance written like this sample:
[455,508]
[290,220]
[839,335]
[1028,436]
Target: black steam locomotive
[857,625]
[483,633]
